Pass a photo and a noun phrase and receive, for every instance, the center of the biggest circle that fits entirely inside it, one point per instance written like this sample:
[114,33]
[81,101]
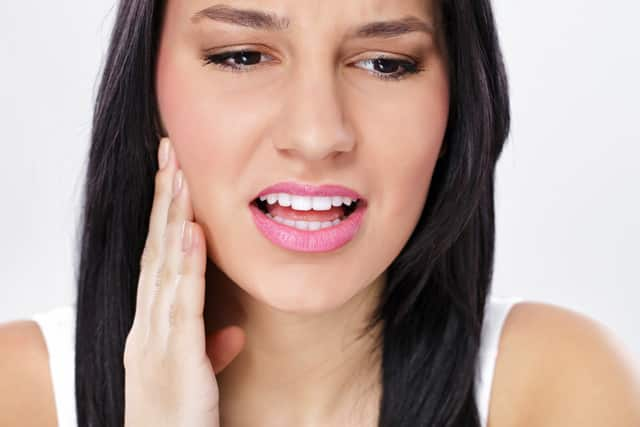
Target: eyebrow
[259,20]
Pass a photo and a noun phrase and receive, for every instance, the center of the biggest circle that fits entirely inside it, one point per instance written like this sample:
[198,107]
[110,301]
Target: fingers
[186,308]
[181,208]
[170,223]
[154,250]
[168,307]
[190,294]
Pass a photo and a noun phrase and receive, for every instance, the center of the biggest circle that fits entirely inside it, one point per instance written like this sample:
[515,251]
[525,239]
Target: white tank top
[58,327]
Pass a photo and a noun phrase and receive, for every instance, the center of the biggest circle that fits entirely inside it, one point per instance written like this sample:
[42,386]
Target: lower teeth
[306,225]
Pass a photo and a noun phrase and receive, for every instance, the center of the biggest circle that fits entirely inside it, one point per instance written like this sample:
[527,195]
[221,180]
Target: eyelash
[409,67]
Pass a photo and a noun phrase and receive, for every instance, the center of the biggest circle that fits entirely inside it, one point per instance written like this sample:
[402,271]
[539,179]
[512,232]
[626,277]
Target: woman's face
[310,105]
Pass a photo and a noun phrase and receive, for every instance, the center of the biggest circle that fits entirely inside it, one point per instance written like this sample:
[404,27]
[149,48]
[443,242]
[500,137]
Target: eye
[385,68]
[238,60]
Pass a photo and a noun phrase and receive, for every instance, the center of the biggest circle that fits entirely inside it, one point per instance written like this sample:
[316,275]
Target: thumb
[224,345]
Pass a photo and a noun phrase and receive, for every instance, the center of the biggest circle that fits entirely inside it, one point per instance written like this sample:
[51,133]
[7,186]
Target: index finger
[154,248]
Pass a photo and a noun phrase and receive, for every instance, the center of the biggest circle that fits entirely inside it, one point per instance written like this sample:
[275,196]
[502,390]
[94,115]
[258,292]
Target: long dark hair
[432,308]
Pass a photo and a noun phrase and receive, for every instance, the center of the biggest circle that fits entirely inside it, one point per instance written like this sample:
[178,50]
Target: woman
[324,170]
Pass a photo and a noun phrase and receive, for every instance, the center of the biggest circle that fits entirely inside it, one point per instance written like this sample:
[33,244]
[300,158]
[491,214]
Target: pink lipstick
[307,218]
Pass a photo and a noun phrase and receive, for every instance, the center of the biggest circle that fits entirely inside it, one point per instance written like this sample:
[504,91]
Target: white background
[568,209]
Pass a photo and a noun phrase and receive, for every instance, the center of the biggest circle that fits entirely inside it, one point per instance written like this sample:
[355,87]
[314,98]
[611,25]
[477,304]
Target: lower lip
[324,240]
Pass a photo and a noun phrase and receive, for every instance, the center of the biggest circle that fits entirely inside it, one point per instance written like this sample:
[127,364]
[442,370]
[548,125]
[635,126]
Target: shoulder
[558,367]
[26,394]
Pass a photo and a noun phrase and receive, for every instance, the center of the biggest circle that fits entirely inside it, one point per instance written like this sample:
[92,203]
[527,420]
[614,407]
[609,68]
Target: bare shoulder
[558,367]
[26,393]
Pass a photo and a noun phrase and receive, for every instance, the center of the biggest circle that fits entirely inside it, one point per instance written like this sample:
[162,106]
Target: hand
[170,364]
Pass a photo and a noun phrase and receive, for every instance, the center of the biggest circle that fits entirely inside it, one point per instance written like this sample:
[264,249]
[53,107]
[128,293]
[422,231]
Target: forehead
[289,15]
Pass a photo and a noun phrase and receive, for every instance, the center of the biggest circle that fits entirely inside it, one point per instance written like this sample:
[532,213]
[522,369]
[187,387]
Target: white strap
[58,328]
[496,311]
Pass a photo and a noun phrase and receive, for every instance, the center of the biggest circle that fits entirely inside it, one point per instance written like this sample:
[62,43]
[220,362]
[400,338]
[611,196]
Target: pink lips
[310,190]
[323,240]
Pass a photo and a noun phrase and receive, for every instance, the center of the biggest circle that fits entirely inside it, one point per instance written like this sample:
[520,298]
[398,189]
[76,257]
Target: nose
[312,122]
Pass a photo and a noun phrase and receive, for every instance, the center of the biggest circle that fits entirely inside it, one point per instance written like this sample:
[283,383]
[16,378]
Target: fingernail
[187,231]
[177,183]
[163,153]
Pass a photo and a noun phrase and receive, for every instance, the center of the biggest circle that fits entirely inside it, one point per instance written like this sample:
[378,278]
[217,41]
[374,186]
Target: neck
[299,369]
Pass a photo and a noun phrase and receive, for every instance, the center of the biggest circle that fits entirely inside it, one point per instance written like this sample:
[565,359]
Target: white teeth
[305,225]
[314,225]
[302,225]
[321,203]
[306,203]
[284,199]
[301,203]
[272,198]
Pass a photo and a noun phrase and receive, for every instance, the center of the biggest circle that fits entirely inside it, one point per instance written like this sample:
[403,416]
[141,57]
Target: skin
[294,344]
[310,112]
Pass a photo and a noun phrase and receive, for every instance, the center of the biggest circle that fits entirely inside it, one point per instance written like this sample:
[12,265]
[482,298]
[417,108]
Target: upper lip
[298,189]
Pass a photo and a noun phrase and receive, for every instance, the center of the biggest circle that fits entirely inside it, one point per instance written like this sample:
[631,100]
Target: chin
[302,296]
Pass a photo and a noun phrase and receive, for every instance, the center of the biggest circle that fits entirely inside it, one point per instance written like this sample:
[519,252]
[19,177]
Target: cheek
[400,156]
[203,106]
[405,155]
[197,116]
[185,110]
[198,142]
[190,116]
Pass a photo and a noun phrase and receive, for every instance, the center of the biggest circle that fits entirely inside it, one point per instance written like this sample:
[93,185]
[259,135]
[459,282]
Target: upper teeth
[306,203]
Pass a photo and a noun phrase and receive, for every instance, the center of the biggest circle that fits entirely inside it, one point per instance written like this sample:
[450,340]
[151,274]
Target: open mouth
[308,223]
[264,206]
